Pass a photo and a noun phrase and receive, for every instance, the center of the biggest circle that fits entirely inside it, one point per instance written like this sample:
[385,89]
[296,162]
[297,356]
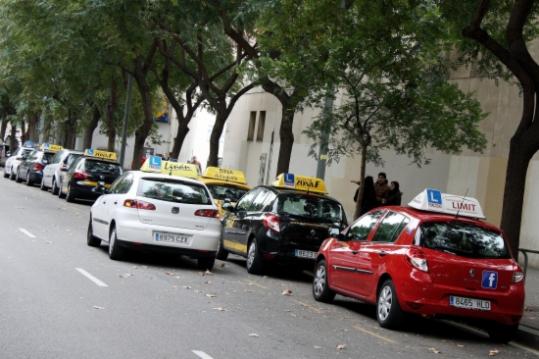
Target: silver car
[52,173]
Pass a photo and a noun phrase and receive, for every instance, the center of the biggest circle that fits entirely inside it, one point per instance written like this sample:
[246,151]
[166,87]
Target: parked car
[159,212]
[90,175]
[31,168]
[285,222]
[10,167]
[59,164]
[434,258]
[4,154]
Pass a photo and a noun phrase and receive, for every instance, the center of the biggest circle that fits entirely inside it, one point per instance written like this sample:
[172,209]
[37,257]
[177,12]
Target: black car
[271,224]
[31,167]
[88,178]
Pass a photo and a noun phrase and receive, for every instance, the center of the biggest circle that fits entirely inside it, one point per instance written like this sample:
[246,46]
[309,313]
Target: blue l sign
[289,180]
[434,196]
[155,162]
[489,280]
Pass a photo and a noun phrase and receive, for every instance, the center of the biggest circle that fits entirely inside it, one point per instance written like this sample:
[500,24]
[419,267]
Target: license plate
[305,254]
[183,239]
[469,303]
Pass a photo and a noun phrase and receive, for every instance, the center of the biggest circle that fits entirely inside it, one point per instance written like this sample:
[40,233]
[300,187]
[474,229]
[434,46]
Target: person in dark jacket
[369,196]
[394,197]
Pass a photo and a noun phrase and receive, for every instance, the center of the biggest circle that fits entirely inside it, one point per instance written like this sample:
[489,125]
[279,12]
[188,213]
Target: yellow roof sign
[300,183]
[157,165]
[225,174]
[51,148]
[104,155]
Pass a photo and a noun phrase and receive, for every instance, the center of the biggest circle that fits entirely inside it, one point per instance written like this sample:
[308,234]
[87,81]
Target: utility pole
[126,117]
[327,115]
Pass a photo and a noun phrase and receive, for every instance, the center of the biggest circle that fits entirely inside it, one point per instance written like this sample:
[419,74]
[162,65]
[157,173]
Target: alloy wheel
[385,300]
[320,280]
[251,254]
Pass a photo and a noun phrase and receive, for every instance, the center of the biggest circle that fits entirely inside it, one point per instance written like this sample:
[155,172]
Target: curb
[527,335]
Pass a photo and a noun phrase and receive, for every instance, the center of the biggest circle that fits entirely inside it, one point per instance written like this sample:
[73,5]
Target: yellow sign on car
[157,165]
[225,174]
[300,183]
[104,155]
[51,148]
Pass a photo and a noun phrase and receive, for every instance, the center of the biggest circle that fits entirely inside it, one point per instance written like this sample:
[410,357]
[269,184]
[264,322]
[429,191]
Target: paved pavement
[530,322]
[62,299]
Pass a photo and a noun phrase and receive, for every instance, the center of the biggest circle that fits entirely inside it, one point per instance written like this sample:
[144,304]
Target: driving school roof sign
[225,174]
[46,147]
[157,165]
[301,183]
[433,200]
[104,155]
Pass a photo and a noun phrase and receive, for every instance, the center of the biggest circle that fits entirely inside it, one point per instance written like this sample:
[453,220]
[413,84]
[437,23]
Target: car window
[391,227]
[223,192]
[311,207]
[463,239]
[260,200]
[173,191]
[362,227]
[57,157]
[122,184]
[48,156]
[246,201]
[101,167]
[76,165]
[71,158]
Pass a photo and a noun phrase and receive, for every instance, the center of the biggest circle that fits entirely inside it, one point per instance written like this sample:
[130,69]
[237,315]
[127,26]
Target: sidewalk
[531,311]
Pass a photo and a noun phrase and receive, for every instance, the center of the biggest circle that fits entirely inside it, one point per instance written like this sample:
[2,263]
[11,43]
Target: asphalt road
[62,299]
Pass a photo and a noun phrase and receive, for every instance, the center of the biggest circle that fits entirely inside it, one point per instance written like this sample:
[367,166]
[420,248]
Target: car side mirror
[227,206]
[8,154]
[19,158]
[45,162]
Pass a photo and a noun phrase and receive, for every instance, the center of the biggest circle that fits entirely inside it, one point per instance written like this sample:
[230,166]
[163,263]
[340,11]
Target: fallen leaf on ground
[460,345]
[341,347]
[253,335]
[125,275]
[434,350]
[207,272]
[222,265]
[169,273]
[210,295]
[220,309]
[98,307]
[493,352]
[186,287]
[286,292]
[317,347]
[207,282]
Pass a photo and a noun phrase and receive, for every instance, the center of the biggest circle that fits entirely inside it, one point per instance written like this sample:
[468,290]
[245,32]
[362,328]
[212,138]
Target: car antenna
[463,198]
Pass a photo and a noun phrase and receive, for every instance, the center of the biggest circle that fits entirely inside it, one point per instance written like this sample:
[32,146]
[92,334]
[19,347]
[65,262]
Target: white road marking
[27,233]
[96,281]
[523,347]
[201,354]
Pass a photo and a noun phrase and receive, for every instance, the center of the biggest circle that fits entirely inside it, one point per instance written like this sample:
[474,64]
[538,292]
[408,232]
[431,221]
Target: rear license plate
[305,254]
[469,303]
[183,239]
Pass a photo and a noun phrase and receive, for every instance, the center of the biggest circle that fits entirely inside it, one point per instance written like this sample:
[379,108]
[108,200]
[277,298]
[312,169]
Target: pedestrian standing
[381,188]
[368,201]
[394,197]
[196,163]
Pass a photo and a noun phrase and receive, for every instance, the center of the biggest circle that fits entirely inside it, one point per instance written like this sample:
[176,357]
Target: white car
[53,171]
[159,211]
[12,163]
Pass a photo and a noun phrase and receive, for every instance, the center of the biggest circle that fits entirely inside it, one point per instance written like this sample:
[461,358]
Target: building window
[261,125]
[252,123]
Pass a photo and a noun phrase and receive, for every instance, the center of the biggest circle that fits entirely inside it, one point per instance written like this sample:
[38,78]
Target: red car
[437,259]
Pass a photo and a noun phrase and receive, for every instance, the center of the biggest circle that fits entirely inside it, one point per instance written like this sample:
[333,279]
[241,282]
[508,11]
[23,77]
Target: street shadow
[283,272]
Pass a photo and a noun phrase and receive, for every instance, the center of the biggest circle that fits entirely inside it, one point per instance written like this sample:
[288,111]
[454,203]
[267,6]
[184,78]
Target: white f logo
[491,279]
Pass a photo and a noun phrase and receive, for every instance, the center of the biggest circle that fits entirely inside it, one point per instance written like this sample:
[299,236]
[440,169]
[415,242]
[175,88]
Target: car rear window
[48,156]
[463,239]
[102,167]
[173,191]
[223,192]
[310,207]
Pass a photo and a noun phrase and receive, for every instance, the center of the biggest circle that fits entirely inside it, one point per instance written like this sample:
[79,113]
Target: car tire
[54,188]
[70,195]
[92,240]
[388,311]
[321,290]
[500,333]
[18,177]
[222,253]
[60,194]
[42,186]
[28,179]
[11,174]
[115,250]
[255,263]
[206,263]
[6,175]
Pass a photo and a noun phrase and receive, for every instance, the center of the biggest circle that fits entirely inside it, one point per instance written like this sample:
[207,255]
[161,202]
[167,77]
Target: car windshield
[463,239]
[103,167]
[173,191]
[223,192]
[47,156]
[310,207]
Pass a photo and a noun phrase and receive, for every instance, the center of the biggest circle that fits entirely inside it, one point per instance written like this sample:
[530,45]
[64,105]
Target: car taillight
[38,167]
[417,260]
[271,221]
[518,277]
[211,213]
[133,203]
[80,175]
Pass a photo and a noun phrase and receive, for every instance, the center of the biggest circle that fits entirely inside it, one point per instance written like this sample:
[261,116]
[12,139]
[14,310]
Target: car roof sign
[103,155]
[46,147]
[300,183]
[433,200]
[155,164]
[225,174]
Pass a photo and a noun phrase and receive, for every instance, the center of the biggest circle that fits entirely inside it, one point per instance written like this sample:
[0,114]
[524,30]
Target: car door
[233,231]
[381,248]
[347,259]
[49,169]
[104,207]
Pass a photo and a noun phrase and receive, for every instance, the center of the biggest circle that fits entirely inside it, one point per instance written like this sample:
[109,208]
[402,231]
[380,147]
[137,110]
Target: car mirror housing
[229,207]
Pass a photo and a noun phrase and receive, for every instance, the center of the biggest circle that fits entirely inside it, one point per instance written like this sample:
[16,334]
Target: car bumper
[85,192]
[137,233]
[429,299]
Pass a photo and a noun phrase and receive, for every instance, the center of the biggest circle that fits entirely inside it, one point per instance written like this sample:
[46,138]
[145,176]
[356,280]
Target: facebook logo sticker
[489,280]
[434,197]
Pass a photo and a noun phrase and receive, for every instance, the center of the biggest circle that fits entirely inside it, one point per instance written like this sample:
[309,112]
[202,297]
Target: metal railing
[525,254]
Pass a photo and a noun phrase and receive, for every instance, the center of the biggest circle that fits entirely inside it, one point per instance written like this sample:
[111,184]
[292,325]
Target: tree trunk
[32,132]
[217,131]
[109,123]
[362,173]
[47,130]
[70,131]
[513,198]
[13,143]
[90,128]
[3,129]
[143,130]
[183,130]
[24,134]
[286,136]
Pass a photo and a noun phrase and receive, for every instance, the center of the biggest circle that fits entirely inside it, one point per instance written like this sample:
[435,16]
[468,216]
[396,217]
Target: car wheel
[11,174]
[18,177]
[222,253]
[28,180]
[206,263]
[54,187]
[500,333]
[70,195]
[255,264]
[42,185]
[60,194]
[6,175]
[321,290]
[388,310]
[92,240]
[115,251]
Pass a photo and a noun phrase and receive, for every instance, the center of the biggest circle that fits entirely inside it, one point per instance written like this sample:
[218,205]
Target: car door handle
[382,253]
[355,252]
[115,202]
[104,202]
